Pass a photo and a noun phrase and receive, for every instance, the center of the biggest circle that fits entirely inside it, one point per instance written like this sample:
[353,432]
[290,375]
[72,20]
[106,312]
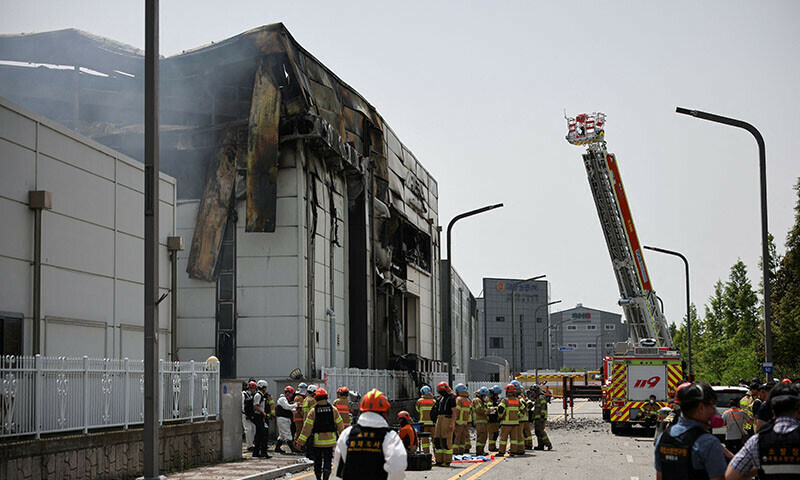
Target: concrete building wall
[580,328]
[92,240]
[529,297]
[465,322]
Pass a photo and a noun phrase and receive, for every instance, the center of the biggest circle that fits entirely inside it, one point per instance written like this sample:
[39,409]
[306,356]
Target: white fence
[60,394]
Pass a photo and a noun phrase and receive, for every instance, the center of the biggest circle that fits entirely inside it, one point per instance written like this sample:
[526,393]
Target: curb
[279,472]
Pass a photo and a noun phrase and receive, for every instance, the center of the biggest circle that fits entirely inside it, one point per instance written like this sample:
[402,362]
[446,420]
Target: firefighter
[297,415]
[424,406]
[540,419]
[480,415]
[527,434]
[649,412]
[370,449]
[508,410]
[746,404]
[283,413]
[325,424]
[407,433]
[772,451]
[445,425]
[461,441]
[493,426]
[342,404]
[309,401]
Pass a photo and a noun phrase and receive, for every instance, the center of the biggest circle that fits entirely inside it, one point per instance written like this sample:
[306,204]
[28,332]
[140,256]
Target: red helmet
[404,414]
[443,387]
[511,388]
[375,401]
[680,387]
[786,380]
[289,389]
[252,384]
[342,391]
[320,393]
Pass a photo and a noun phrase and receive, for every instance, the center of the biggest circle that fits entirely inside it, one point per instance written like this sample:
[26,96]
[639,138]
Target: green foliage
[785,303]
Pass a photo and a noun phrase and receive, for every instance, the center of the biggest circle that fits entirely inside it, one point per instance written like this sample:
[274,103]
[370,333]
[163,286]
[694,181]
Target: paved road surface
[585,449]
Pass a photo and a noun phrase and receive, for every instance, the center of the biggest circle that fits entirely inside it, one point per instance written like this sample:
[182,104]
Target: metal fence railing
[41,394]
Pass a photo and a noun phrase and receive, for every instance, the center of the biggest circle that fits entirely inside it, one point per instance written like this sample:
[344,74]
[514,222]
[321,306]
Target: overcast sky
[477,90]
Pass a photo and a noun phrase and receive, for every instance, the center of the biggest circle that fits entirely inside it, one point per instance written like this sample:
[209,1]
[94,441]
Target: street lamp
[514,366]
[535,357]
[596,355]
[762,164]
[688,303]
[550,348]
[447,327]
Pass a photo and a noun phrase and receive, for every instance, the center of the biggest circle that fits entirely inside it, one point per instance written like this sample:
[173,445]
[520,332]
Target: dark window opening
[496,342]
[10,335]
[538,319]
[500,319]
[538,344]
[226,300]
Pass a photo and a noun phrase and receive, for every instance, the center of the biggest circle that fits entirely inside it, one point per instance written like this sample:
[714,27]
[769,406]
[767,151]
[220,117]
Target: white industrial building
[89,296]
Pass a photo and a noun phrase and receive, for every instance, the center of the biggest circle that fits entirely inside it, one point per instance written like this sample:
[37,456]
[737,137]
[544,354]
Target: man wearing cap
[764,413]
[686,450]
[774,452]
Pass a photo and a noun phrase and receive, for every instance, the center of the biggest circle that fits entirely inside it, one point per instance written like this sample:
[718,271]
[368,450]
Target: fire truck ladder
[638,300]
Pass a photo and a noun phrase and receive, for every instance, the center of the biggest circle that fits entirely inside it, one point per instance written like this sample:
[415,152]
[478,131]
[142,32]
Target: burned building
[312,231]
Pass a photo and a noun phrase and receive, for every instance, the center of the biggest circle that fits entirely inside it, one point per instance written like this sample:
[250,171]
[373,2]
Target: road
[580,448]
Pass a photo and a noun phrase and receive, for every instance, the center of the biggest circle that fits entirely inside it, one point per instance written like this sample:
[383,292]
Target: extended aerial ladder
[639,303]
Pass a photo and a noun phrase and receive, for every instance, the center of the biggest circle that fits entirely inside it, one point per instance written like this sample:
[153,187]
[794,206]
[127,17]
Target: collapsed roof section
[225,107]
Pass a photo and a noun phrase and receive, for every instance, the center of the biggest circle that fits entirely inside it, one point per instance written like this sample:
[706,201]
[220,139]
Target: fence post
[85,394]
[191,389]
[160,392]
[126,379]
[37,395]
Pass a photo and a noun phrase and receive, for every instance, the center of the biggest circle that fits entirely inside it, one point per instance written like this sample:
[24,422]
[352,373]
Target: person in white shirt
[284,413]
[370,449]
[247,412]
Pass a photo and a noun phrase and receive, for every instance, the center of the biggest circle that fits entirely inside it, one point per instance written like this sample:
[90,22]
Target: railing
[41,395]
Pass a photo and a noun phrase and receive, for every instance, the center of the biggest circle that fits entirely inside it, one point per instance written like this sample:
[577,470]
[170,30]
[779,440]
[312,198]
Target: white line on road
[634,478]
[630,458]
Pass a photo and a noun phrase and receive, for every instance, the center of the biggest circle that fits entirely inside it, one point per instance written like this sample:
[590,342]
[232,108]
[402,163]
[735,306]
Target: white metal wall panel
[77,245]
[76,193]
[267,332]
[277,301]
[17,128]
[266,271]
[58,145]
[19,171]
[77,295]
[64,337]
[15,291]
[18,216]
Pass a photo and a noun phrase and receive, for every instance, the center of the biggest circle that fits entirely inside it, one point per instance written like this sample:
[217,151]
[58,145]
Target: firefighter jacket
[324,422]
[524,409]
[463,409]
[509,410]
[540,408]
[342,404]
[531,408]
[308,404]
[424,406]
[650,410]
[409,438]
[298,412]
[480,411]
[492,404]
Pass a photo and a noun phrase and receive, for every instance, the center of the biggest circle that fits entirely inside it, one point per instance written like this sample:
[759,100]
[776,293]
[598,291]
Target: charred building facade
[312,231]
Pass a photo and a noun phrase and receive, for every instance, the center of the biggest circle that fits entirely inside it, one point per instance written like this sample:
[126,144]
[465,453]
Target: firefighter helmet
[312,388]
[497,390]
[404,414]
[511,388]
[443,387]
[483,391]
[461,388]
[262,384]
[320,394]
[680,387]
[375,401]
[289,389]
[342,391]
[425,390]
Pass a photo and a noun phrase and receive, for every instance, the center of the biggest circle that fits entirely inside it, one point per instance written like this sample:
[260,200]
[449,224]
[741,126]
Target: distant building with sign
[495,318]
[582,335]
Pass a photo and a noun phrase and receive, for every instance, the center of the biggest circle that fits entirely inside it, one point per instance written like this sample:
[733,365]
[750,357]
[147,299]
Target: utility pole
[535,357]
[517,367]
[151,169]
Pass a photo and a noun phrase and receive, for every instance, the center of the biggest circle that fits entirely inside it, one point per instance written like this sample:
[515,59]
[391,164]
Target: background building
[465,333]
[531,312]
[588,332]
[91,298]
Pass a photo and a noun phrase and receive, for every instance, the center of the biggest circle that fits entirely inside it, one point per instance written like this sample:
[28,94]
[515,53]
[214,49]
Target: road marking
[485,469]
[466,471]
[634,478]
[630,458]
[306,475]
[557,417]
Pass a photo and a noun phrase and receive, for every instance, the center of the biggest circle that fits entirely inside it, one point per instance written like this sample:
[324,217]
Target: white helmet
[262,384]
[312,388]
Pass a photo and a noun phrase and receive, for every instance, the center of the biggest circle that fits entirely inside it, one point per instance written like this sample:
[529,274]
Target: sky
[478,91]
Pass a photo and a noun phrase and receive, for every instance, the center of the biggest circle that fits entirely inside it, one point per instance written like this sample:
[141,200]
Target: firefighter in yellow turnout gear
[525,417]
[461,441]
[480,417]
[493,429]
[424,407]
[324,425]
[540,419]
[509,423]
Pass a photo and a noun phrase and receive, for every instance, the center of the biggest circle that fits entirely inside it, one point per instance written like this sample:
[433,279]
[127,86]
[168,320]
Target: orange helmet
[443,387]
[404,414]
[252,384]
[375,401]
[320,393]
[342,391]
[511,388]
[680,387]
[289,389]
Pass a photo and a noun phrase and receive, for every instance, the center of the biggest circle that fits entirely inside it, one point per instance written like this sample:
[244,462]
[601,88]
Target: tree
[712,354]
[786,303]
[679,337]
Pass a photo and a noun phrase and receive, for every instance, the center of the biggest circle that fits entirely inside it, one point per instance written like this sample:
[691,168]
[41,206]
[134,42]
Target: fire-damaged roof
[224,107]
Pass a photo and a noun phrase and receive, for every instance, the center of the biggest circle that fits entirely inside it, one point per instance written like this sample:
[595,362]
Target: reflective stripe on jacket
[424,407]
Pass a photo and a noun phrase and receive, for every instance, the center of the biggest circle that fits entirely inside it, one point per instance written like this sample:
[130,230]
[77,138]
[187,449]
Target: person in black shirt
[764,414]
